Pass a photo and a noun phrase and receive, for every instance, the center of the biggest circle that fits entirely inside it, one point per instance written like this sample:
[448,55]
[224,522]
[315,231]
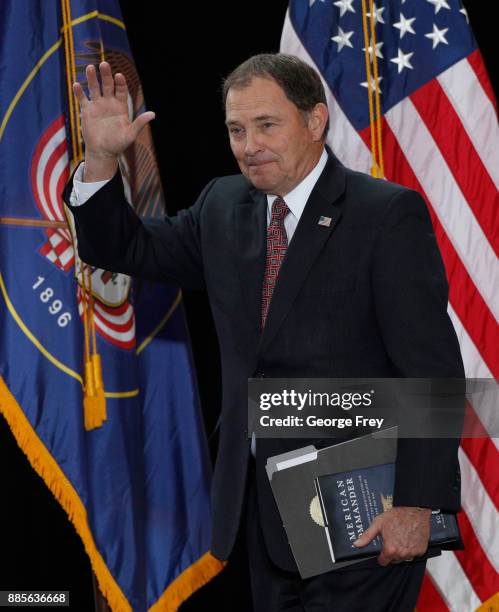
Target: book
[350,500]
[291,478]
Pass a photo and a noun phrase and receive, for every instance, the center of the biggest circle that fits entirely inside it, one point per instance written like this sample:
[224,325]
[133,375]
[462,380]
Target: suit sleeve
[113,237]
[410,292]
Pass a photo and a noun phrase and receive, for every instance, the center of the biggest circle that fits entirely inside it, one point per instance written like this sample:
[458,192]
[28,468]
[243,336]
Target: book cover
[351,500]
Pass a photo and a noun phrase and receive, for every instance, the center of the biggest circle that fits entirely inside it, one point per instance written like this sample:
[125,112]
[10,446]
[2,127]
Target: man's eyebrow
[258,119]
[266,118]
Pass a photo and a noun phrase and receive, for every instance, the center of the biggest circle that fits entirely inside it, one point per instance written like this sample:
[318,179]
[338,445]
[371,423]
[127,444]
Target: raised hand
[106,127]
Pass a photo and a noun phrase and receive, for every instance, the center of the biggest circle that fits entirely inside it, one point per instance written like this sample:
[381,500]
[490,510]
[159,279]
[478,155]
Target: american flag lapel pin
[324,221]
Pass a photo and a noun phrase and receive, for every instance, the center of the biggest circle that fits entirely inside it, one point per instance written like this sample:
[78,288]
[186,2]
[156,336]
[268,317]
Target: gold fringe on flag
[44,464]
[47,468]
[191,579]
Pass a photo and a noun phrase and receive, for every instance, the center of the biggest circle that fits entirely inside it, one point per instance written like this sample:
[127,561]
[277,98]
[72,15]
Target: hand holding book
[405,532]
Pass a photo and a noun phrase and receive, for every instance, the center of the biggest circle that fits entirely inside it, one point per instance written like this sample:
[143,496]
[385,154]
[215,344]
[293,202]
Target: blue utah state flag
[129,466]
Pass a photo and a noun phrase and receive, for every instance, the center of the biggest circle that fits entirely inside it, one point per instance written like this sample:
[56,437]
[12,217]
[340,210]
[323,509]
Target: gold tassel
[90,400]
[94,401]
[101,413]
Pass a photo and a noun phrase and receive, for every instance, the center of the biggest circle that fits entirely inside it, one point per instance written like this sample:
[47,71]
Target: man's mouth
[256,164]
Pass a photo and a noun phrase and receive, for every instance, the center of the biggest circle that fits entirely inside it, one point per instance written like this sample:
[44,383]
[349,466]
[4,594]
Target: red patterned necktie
[277,243]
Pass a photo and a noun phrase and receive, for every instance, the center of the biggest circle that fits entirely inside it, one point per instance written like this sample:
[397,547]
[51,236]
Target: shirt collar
[297,198]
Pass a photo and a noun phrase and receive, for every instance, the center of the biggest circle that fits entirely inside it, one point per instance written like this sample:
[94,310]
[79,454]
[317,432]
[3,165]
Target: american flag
[440,136]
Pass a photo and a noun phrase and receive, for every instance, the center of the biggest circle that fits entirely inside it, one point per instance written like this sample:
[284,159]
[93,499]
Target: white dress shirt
[295,201]
[83,191]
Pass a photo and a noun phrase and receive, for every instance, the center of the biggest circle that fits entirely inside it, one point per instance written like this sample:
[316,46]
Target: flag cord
[377,168]
[66,21]
[71,78]
[376,92]
[85,311]
[94,401]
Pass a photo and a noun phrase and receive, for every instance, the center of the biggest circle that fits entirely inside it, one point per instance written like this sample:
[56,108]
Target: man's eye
[235,131]
[268,124]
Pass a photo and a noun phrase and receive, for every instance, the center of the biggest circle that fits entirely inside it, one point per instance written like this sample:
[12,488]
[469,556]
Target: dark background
[181,60]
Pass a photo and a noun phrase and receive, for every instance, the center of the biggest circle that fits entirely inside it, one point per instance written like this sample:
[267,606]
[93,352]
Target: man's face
[273,143]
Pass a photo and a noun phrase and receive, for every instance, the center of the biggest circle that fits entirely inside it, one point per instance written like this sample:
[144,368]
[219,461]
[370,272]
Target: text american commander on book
[362,296]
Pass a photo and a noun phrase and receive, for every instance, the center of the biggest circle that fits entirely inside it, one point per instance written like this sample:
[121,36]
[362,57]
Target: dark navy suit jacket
[364,297]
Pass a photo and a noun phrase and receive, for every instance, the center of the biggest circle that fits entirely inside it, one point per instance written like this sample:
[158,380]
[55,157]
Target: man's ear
[317,119]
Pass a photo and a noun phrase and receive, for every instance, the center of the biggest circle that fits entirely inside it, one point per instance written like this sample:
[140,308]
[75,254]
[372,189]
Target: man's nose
[253,143]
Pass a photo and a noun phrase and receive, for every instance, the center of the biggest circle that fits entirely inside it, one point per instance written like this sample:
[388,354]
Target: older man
[363,295]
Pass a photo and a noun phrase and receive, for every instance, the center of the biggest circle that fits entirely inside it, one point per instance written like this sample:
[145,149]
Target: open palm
[106,127]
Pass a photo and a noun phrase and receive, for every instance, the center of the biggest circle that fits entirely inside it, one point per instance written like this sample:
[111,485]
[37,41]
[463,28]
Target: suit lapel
[307,242]
[250,225]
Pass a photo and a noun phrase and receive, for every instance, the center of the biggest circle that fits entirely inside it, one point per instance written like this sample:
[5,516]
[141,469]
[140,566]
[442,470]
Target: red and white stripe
[114,324]
[49,174]
[443,141]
